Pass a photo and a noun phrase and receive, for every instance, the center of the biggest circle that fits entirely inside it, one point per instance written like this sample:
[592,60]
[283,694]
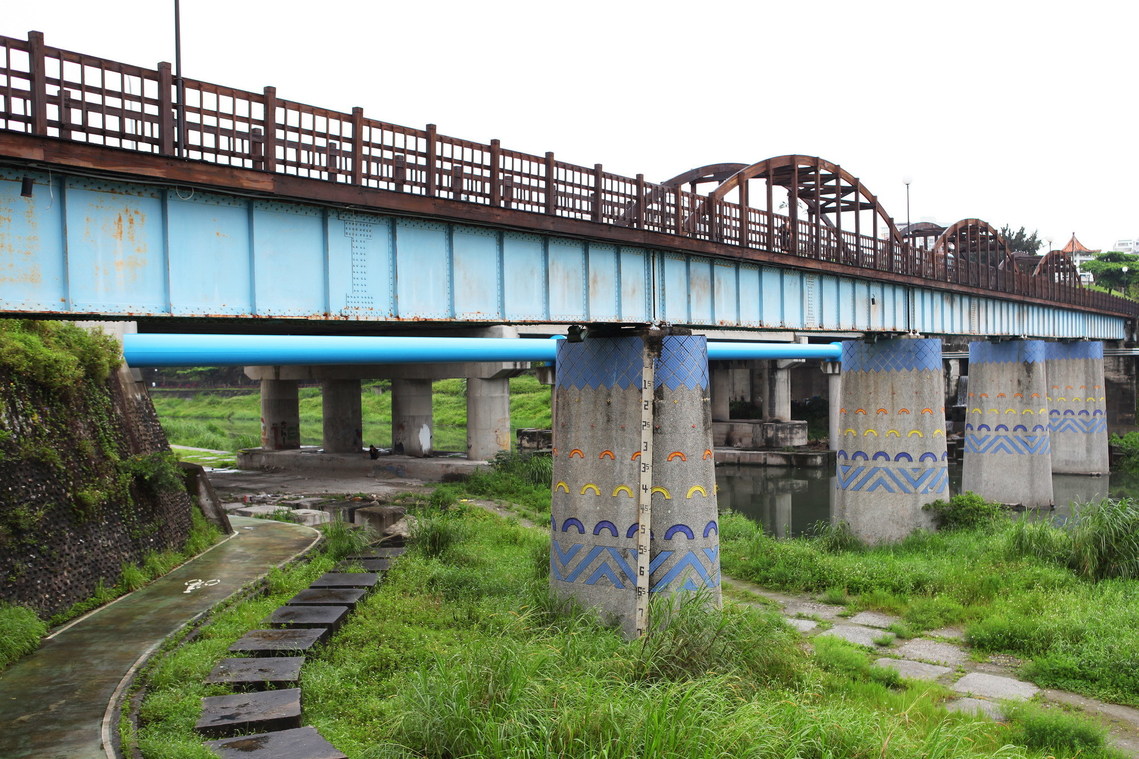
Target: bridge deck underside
[83,246]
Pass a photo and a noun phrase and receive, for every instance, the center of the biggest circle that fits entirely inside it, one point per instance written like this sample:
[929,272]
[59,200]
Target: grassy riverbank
[460,653]
[230,422]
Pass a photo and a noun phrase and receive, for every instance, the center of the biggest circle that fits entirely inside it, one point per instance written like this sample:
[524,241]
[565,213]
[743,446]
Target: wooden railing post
[678,217]
[598,192]
[432,162]
[270,129]
[38,75]
[551,185]
[357,145]
[166,109]
[640,215]
[64,115]
[495,173]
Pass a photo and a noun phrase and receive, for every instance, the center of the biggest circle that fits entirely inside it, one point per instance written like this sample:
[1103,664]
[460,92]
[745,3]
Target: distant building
[1127,246]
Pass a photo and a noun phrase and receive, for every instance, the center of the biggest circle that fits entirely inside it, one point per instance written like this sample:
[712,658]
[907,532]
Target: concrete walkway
[55,703]
[938,656]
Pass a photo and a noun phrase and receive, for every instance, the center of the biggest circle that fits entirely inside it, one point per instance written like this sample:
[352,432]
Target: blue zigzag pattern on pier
[1010,352]
[616,362]
[899,355]
[614,565]
[1091,426]
[893,479]
[1087,349]
[1024,445]
[684,573]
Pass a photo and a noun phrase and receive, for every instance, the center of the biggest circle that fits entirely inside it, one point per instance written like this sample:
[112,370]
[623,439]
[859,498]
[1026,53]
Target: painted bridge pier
[1008,456]
[1077,412]
[624,397]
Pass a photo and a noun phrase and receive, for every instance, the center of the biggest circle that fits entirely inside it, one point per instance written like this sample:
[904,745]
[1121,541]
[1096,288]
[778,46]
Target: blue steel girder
[82,246]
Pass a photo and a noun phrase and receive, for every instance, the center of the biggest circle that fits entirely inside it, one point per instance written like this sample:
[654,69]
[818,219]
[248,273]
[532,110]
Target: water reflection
[787,502]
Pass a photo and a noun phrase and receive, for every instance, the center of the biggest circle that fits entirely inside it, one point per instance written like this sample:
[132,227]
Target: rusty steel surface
[260,142]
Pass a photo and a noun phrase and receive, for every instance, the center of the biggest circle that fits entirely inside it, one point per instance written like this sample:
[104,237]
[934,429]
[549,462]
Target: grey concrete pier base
[342,417]
[280,415]
[1007,447]
[597,460]
[412,420]
[892,458]
[1077,414]
[488,418]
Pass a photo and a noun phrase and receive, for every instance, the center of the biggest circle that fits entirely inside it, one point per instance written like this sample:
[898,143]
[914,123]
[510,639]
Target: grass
[462,653]
[20,633]
[232,422]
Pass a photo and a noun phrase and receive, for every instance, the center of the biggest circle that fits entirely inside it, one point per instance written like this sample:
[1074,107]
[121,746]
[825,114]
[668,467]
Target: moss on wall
[87,481]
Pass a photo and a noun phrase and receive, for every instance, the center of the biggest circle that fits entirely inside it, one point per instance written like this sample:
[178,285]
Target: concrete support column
[342,417]
[833,370]
[1007,449]
[280,415]
[779,392]
[488,418]
[892,459]
[595,515]
[721,391]
[759,397]
[412,421]
[1077,414]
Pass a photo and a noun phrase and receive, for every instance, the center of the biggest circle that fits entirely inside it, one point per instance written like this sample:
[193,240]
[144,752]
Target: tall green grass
[20,633]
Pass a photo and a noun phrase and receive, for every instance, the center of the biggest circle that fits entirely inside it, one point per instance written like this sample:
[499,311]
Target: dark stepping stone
[346,580]
[298,617]
[328,597]
[258,673]
[301,743]
[392,552]
[277,642]
[224,716]
[368,565]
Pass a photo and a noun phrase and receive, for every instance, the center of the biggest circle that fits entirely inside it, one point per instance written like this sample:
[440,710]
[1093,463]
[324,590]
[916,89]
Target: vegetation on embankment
[91,503]
[462,653]
[232,422]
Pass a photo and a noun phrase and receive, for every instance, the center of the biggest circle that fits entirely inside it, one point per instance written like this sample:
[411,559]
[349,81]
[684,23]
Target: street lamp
[907,180]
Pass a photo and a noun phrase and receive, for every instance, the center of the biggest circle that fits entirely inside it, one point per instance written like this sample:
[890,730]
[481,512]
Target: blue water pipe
[149,350]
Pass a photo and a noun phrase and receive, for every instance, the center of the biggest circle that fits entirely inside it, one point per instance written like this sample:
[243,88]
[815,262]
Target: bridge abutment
[1007,445]
[599,441]
[892,459]
[1077,407]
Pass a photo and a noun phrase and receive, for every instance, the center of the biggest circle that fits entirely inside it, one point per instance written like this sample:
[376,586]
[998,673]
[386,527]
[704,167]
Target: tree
[1020,241]
[1114,270]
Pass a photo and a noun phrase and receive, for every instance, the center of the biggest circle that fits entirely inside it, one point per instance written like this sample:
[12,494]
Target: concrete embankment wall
[83,488]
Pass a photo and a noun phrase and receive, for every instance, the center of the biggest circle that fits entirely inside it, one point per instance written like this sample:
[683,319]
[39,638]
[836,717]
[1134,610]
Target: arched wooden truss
[1057,266]
[840,219]
[968,251]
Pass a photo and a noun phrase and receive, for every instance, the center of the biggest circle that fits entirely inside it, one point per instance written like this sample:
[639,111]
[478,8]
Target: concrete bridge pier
[342,417]
[1077,419]
[892,459]
[413,425]
[488,417]
[833,371]
[599,440]
[1007,447]
[280,415]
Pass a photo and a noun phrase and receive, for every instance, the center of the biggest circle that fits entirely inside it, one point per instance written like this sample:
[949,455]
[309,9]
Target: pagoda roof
[1075,246]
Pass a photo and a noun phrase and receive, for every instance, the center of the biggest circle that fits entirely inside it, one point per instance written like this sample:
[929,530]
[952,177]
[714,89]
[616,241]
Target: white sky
[1022,113]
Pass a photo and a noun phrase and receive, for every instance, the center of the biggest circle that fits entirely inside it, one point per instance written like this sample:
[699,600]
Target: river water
[787,502]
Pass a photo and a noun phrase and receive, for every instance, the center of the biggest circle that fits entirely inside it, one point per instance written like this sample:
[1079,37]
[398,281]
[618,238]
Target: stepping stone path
[982,686]
[308,619]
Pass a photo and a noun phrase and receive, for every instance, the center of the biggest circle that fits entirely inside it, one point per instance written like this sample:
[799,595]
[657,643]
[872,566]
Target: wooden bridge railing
[51,92]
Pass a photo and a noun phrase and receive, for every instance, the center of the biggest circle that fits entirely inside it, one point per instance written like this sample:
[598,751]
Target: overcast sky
[1021,113]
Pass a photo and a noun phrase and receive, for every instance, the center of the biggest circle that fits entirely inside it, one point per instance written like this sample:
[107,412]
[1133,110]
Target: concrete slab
[258,673]
[368,565]
[311,517]
[387,552]
[224,716]
[299,743]
[812,609]
[346,580]
[920,649]
[802,625]
[308,617]
[995,687]
[952,633]
[278,642]
[857,634]
[914,670]
[976,706]
[261,510]
[874,619]
[328,597]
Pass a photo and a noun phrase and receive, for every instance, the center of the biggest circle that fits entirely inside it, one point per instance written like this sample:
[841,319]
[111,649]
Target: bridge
[126,193]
